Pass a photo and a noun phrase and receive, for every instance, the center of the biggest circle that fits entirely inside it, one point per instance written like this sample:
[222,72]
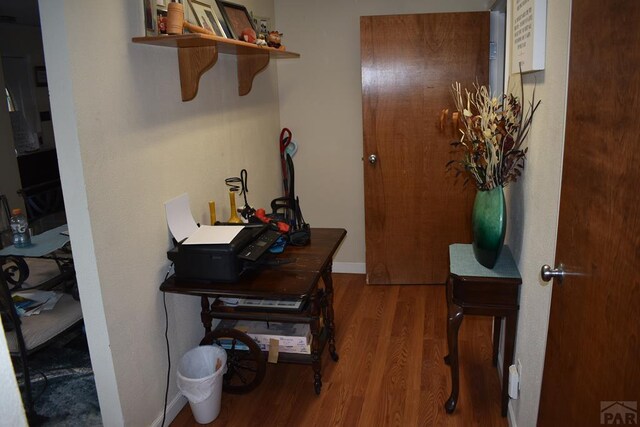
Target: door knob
[547,273]
[373,159]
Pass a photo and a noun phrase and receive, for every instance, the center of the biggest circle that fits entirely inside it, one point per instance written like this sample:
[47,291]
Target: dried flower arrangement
[493,133]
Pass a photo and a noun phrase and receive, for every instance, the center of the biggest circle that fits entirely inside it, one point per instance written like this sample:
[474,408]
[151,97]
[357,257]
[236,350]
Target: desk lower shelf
[301,359]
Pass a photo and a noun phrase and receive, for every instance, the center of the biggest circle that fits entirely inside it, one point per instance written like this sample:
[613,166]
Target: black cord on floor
[166,338]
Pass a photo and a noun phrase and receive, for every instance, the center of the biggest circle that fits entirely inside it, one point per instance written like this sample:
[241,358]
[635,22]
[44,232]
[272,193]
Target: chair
[43,200]
[26,335]
[5,215]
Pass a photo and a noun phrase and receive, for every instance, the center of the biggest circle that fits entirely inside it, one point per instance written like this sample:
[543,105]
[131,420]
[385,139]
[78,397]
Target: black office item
[254,250]
[217,262]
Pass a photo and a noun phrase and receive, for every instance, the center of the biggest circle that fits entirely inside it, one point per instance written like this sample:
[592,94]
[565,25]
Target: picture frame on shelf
[262,24]
[223,23]
[205,17]
[236,16]
[150,17]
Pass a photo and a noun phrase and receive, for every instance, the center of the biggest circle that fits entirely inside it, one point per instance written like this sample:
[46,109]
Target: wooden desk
[477,290]
[296,280]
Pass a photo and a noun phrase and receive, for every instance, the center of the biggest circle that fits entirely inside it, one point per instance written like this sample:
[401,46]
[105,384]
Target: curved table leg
[453,325]
[205,314]
[329,317]
[315,344]
[497,325]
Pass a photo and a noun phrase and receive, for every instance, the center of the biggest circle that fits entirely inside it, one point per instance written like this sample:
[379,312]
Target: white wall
[533,209]
[10,400]
[126,143]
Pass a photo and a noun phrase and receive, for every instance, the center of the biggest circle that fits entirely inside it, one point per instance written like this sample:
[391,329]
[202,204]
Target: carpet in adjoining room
[63,384]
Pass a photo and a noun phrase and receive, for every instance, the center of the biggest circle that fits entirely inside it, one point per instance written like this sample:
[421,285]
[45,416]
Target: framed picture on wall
[236,16]
[204,16]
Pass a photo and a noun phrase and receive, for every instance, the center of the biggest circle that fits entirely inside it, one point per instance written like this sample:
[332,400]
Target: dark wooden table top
[294,280]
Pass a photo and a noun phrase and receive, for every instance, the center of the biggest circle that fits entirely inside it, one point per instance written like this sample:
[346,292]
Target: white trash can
[200,381]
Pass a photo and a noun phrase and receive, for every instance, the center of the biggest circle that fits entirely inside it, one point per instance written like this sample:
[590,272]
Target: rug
[62,382]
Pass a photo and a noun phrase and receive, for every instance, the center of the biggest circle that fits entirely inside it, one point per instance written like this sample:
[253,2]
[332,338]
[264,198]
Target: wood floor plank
[391,341]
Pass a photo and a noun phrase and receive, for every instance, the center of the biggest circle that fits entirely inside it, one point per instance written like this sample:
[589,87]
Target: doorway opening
[61,371]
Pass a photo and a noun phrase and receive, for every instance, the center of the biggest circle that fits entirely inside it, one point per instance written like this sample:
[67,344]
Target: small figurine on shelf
[261,40]
[274,39]
[248,35]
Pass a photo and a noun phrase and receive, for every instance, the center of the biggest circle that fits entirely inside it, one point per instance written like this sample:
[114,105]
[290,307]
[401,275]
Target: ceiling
[23,12]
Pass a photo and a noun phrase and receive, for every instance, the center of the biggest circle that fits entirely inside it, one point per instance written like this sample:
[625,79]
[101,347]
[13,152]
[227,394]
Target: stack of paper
[33,302]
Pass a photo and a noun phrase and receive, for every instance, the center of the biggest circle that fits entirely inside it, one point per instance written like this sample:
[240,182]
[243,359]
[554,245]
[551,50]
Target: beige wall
[127,144]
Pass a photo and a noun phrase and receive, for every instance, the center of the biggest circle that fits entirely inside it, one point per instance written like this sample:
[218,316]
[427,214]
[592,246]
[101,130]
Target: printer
[223,262]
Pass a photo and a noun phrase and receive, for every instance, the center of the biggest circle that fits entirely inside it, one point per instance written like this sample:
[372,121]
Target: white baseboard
[511,416]
[349,267]
[173,408]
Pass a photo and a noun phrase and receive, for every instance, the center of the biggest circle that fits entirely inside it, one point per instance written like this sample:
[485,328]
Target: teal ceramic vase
[489,224]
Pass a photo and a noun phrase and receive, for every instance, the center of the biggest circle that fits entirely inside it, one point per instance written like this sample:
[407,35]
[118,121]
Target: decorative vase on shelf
[489,224]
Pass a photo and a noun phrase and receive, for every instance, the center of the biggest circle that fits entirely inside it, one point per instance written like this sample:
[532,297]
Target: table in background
[296,280]
[477,290]
[43,245]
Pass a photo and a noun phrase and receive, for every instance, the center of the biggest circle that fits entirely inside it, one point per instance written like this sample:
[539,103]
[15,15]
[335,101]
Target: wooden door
[593,346]
[414,210]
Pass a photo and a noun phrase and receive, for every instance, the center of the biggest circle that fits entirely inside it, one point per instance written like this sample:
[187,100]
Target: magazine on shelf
[263,303]
[227,343]
[32,302]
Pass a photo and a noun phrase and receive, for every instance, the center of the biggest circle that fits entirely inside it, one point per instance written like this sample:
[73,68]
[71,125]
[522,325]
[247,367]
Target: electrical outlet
[514,382]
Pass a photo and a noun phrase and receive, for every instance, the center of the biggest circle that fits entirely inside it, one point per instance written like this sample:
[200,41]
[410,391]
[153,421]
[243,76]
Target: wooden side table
[476,290]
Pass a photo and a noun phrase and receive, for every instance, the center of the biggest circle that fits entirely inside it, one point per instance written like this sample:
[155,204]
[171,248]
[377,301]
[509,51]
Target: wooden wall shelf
[198,53]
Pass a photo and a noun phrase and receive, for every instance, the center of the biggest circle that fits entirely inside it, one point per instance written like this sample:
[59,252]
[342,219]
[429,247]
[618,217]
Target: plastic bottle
[20,229]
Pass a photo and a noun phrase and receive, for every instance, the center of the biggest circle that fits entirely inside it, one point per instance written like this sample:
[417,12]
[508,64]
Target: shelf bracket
[193,62]
[248,67]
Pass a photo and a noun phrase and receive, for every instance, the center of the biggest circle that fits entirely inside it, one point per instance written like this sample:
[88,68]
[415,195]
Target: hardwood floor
[391,341]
